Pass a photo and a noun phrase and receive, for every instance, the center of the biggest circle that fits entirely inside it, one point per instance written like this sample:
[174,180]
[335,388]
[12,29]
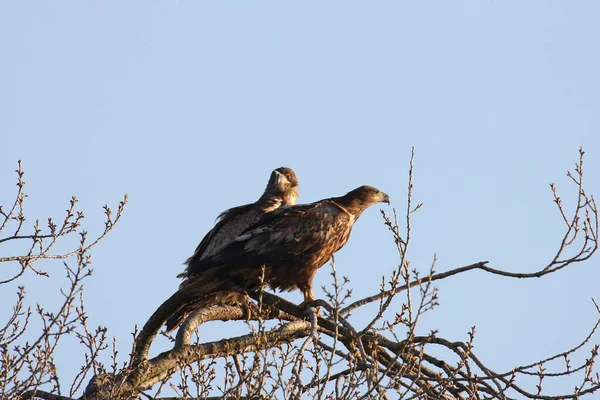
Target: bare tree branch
[289,352]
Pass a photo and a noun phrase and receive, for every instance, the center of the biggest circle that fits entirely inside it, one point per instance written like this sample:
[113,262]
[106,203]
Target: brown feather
[281,190]
[291,243]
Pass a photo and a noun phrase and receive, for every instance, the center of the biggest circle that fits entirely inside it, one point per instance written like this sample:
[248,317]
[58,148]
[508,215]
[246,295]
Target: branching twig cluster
[29,337]
[321,352]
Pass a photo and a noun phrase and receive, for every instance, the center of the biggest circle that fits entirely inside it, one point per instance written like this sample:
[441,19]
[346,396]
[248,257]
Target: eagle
[284,248]
[281,190]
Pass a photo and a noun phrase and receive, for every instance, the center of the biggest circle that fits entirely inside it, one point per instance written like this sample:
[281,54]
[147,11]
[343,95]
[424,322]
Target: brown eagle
[291,243]
[281,190]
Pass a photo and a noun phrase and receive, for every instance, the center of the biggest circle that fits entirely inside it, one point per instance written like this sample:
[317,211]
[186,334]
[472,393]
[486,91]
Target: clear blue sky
[187,106]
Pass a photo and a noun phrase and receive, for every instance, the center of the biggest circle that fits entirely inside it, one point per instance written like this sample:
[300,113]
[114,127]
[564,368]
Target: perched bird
[292,243]
[281,190]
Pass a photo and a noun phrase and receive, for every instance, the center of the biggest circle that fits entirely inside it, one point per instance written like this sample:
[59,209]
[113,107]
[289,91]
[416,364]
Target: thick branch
[151,371]
[40,394]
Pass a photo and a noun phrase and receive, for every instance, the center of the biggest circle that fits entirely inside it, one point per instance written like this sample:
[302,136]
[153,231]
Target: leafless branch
[292,352]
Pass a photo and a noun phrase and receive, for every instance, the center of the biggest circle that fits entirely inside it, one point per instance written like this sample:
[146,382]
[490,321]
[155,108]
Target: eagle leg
[309,296]
[248,308]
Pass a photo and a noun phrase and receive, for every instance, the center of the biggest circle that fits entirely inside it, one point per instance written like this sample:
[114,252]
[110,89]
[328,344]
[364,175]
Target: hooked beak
[386,198]
[277,178]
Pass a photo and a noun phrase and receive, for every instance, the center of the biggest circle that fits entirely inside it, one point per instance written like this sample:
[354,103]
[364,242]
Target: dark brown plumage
[291,242]
[281,190]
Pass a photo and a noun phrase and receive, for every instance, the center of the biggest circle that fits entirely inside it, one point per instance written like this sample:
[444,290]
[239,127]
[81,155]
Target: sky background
[187,107]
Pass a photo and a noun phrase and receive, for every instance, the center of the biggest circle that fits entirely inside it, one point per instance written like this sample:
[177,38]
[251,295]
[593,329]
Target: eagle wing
[230,224]
[283,234]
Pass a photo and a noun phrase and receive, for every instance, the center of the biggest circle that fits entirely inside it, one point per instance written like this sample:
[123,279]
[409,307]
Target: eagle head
[284,184]
[285,177]
[368,195]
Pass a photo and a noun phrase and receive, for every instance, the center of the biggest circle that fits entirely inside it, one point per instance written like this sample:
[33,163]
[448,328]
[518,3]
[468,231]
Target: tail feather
[175,320]
[220,298]
[217,285]
[181,315]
